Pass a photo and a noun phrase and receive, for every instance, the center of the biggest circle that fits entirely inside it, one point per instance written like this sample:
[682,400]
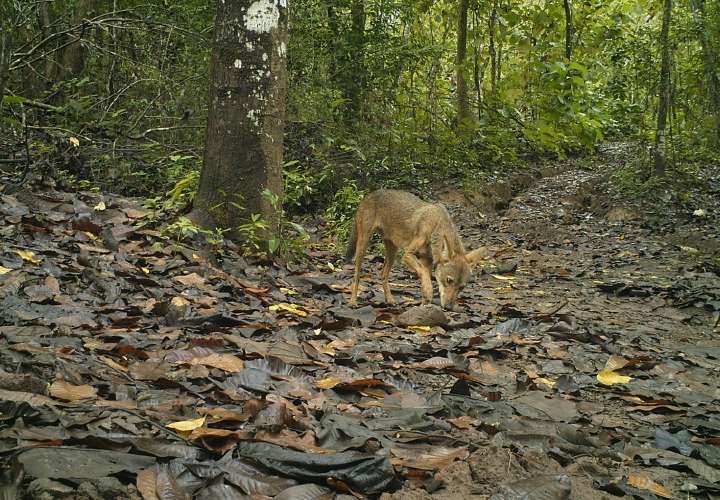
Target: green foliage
[340,212]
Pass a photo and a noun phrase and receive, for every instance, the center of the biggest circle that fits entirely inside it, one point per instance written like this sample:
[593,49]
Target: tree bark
[463,102]
[710,61]
[664,91]
[569,29]
[244,140]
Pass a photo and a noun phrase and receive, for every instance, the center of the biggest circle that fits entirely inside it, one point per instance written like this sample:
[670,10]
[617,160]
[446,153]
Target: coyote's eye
[449,280]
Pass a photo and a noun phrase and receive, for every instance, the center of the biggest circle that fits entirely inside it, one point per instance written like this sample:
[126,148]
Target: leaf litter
[582,363]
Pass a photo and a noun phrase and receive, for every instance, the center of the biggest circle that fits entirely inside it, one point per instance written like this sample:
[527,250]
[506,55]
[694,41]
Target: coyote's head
[453,273]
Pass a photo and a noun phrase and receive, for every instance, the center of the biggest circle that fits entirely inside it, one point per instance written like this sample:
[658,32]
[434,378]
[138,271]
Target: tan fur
[427,235]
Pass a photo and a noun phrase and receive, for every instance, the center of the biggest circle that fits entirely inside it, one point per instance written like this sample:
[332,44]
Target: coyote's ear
[475,256]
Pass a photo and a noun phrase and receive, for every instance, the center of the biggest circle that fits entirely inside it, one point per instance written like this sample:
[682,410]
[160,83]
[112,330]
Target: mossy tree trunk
[244,139]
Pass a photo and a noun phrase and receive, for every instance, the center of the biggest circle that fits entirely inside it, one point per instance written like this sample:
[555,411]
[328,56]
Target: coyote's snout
[427,235]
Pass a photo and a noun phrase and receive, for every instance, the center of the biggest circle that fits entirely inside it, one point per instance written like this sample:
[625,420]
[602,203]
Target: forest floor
[583,361]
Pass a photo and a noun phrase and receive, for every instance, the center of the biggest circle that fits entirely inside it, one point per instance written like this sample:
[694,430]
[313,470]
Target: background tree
[244,140]
[664,91]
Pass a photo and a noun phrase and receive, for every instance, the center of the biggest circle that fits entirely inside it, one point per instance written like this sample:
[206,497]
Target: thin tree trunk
[4,63]
[244,141]
[354,70]
[569,29]
[664,104]
[493,53]
[463,102]
[710,61]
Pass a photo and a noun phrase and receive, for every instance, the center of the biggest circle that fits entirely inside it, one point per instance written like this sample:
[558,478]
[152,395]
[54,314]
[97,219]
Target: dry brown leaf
[27,397]
[146,480]
[225,362]
[69,392]
[224,415]
[192,279]
[113,364]
[464,422]
[645,483]
[436,363]
[615,363]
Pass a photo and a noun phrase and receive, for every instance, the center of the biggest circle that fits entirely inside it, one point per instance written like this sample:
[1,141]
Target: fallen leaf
[28,256]
[74,141]
[69,392]
[4,270]
[100,206]
[328,383]
[607,377]
[187,425]
[291,308]
[225,362]
[645,483]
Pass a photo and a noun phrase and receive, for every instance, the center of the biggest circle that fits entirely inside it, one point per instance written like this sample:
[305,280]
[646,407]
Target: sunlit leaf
[291,308]
[607,377]
[187,425]
[28,256]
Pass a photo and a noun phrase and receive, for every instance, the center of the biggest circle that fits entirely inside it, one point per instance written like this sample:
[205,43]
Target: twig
[161,129]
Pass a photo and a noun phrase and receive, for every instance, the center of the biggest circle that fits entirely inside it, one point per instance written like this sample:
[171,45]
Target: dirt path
[582,363]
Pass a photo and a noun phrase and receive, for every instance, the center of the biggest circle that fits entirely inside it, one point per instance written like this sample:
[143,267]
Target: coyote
[427,235]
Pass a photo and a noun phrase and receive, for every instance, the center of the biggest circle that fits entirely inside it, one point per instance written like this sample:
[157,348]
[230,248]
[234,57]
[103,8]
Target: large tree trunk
[463,102]
[664,91]
[569,29]
[244,140]
[710,61]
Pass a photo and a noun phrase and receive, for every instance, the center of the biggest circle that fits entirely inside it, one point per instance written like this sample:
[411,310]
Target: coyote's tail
[352,243]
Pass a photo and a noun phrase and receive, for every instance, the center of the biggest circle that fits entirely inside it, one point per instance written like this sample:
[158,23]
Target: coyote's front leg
[422,269]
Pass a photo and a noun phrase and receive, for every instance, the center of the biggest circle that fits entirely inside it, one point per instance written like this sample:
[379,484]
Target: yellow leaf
[328,383]
[545,381]
[28,256]
[145,270]
[608,377]
[291,308]
[645,483]
[287,291]
[100,206]
[4,270]
[420,328]
[187,425]
[74,141]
